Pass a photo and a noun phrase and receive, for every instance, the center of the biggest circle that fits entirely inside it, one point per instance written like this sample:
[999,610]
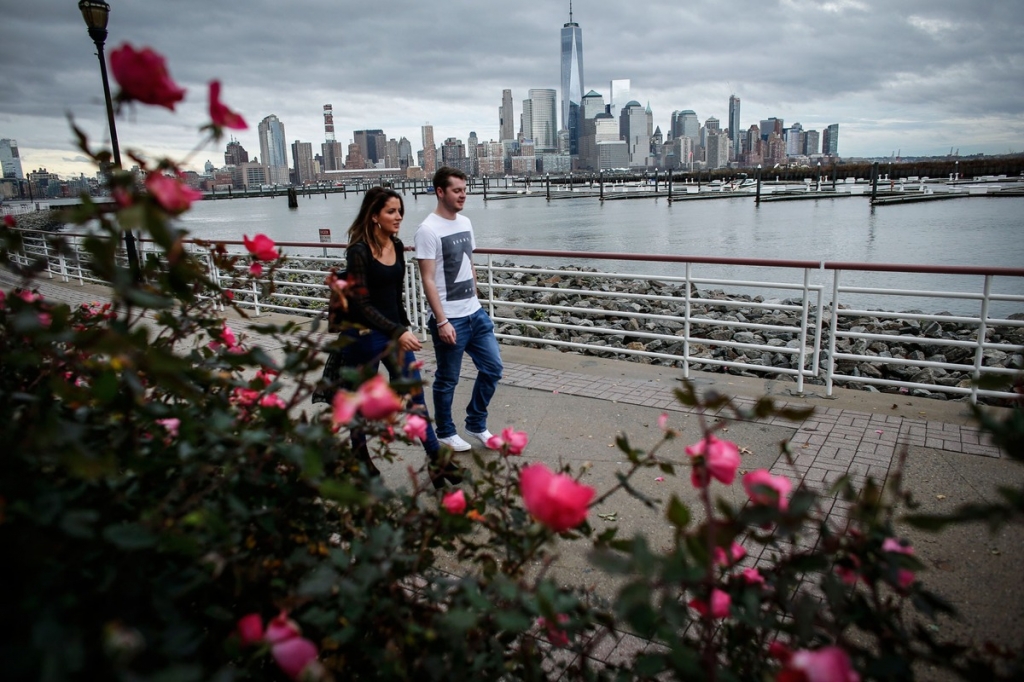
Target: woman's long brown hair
[362,229]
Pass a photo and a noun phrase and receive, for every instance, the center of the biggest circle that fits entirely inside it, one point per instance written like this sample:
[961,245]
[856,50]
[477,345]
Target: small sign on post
[325,238]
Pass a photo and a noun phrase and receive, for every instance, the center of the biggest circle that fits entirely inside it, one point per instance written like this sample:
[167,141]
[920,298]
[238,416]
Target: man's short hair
[444,174]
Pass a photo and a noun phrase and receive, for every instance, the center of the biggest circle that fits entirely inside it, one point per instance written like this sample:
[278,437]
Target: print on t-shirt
[457,250]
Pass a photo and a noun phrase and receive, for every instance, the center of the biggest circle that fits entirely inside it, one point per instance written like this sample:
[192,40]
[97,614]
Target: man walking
[457,323]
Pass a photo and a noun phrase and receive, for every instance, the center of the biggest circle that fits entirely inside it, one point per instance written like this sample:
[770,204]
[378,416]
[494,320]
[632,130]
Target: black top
[375,293]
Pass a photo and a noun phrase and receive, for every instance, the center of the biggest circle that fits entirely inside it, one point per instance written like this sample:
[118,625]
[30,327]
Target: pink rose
[173,195]
[294,655]
[281,628]
[250,629]
[828,664]
[736,552]
[244,396]
[220,114]
[344,407]
[143,76]
[261,246]
[753,576]
[556,500]
[171,424]
[266,376]
[272,400]
[894,545]
[9,220]
[514,440]
[713,458]
[454,503]
[763,488]
[256,269]
[555,634]
[377,400]
[720,602]
[663,421]
[415,427]
[225,338]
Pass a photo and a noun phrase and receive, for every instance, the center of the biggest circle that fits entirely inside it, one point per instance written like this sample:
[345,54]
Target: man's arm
[445,331]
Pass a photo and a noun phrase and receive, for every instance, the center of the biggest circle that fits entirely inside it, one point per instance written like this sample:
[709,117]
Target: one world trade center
[572,80]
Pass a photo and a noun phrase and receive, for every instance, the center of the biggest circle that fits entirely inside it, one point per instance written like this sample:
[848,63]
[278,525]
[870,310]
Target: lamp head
[95,13]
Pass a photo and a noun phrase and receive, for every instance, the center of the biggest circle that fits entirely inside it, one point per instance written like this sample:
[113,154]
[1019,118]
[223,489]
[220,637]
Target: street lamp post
[95,13]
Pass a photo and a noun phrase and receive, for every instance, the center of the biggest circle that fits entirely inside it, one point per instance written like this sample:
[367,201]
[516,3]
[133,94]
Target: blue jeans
[367,351]
[474,335]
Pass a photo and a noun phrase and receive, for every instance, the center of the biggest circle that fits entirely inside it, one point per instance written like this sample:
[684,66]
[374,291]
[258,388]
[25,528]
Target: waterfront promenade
[573,407]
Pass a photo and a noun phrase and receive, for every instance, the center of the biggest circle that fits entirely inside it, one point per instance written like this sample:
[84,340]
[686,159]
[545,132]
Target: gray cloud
[919,75]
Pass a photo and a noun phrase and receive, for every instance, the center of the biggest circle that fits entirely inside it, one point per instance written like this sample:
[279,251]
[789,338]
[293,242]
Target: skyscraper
[593,104]
[472,143]
[429,150]
[543,120]
[771,125]
[686,124]
[302,157]
[235,154]
[505,117]
[794,136]
[633,129]
[10,160]
[830,140]
[274,150]
[572,79]
[404,153]
[372,144]
[618,96]
[734,124]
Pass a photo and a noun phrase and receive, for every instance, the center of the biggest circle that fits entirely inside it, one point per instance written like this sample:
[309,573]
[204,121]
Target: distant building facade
[10,160]
[274,150]
[572,80]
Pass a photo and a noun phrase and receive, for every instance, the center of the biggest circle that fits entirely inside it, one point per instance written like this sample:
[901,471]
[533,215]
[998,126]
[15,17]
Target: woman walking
[378,329]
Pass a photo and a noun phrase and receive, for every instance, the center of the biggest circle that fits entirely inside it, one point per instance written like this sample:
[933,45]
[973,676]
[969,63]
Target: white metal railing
[809,338]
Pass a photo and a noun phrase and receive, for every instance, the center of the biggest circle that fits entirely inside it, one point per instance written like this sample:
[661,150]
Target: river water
[978,231]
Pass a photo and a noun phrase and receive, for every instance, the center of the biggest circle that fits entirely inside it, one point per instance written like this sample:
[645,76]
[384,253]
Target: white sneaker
[483,437]
[456,443]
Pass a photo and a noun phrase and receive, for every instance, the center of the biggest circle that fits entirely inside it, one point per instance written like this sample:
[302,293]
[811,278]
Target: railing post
[490,285]
[802,355]
[979,354]
[817,338]
[78,261]
[686,327]
[256,299]
[46,254]
[833,326]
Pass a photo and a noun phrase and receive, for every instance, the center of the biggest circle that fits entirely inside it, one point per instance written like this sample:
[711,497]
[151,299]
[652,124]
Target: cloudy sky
[918,76]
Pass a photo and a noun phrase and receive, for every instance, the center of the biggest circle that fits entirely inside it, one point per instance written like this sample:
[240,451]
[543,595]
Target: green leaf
[78,523]
[129,536]
[342,492]
[319,583]
[105,386]
[678,513]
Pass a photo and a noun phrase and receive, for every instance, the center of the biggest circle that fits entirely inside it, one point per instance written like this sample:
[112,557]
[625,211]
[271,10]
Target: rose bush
[162,489]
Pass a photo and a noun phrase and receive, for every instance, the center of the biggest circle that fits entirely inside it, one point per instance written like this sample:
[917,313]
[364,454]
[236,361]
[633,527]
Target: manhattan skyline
[921,78]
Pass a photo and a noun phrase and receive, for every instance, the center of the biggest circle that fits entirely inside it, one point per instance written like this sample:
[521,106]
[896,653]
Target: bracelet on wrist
[441,324]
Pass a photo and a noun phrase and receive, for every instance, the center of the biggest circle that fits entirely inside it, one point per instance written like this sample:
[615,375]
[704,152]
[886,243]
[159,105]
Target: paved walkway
[573,406]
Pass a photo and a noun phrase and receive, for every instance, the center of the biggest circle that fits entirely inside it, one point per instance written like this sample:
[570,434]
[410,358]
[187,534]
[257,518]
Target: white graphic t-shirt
[450,244]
